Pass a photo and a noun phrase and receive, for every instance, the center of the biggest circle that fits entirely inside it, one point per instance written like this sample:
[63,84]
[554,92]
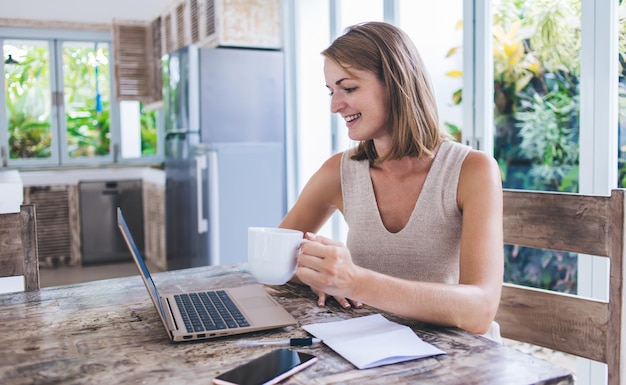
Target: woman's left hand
[326,266]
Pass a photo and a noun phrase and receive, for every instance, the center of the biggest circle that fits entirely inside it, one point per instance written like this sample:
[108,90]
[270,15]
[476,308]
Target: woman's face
[360,99]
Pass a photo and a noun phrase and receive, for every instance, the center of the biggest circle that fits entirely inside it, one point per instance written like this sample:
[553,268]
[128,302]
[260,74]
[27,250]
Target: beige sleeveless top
[427,248]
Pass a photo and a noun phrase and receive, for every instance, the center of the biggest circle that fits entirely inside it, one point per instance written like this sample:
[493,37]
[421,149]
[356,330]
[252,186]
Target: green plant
[535,93]
[549,138]
[548,269]
[537,121]
[148,131]
[86,82]
[536,45]
[28,105]
[88,130]
[86,97]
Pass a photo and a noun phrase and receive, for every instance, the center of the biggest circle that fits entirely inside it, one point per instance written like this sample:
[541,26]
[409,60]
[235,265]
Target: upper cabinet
[139,45]
[210,23]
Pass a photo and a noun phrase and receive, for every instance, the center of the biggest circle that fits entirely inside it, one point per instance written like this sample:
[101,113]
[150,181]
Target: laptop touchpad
[256,302]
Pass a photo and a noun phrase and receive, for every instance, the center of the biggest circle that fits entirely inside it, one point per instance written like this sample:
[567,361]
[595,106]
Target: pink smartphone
[267,369]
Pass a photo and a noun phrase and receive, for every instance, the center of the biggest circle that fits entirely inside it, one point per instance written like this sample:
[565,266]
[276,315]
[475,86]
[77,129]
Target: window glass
[28,104]
[57,108]
[87,97]
[536,48]
[353,12]
[621,178]
[442,56]
[138,130]
[149,130]
[359,11]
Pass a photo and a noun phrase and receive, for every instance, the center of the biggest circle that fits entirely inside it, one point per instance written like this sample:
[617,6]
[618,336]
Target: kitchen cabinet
[56,196]
[58,235]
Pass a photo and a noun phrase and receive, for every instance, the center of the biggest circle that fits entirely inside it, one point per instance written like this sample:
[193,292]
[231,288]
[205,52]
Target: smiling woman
[424,213]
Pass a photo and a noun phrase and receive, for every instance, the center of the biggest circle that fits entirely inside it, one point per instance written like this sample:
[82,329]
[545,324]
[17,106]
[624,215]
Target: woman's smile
[350,118]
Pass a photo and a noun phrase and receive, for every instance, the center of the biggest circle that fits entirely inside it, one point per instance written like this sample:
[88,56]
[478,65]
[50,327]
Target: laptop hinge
[170,315]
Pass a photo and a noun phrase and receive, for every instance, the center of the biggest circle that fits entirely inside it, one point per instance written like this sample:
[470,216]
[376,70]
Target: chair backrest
[18,246]
[584,224]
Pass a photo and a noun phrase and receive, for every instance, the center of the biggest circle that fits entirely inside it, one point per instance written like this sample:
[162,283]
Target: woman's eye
[346,90]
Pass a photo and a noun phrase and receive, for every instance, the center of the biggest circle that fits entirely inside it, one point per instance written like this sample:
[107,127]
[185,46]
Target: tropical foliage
[28,105]
[536,54]
[536,87]
[86,102]
[536,94]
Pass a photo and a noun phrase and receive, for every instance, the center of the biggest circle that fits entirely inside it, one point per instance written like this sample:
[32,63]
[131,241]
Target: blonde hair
[389,53]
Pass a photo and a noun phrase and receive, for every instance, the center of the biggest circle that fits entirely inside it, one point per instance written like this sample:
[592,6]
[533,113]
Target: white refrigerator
[225,151]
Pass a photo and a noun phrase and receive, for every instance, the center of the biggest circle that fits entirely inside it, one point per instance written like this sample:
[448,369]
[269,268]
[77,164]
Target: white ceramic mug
[272,254]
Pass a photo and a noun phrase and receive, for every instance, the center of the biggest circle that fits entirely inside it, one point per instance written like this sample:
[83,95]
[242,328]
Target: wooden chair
[18,246]
[572,324]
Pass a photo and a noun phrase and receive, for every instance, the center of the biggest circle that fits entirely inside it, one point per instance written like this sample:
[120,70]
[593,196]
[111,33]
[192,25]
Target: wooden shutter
[194,25]
[157,53]
[180,26]
[166,34]
[53,224]
[137,60]
[205,17]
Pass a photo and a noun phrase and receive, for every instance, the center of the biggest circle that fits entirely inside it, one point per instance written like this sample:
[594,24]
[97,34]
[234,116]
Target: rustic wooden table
[109,332]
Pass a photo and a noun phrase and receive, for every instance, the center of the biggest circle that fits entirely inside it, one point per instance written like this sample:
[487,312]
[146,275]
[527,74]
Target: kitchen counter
[56,194]
[11,191]
[74,176]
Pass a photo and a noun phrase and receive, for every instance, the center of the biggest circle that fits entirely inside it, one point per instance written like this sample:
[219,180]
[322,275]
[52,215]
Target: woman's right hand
[343,302]
[308,273]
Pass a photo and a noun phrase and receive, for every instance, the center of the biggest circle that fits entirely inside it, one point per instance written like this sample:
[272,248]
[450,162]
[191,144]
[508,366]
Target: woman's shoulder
[479,170]
[335,160]
[479,159]
[454,146]
[330,169]
[471,158]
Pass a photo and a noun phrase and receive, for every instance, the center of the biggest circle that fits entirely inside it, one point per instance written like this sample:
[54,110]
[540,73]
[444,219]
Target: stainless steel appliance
[225,151]
[101,239]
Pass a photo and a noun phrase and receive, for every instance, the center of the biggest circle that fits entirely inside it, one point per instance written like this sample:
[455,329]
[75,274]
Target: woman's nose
[336,103]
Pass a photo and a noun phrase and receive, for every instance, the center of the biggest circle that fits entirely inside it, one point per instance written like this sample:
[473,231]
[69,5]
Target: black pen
[280,342]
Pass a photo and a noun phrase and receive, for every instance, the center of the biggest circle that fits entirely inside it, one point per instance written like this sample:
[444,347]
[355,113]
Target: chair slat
[18,246]
[10,245]
[566,222]
[585,224]
[556,321]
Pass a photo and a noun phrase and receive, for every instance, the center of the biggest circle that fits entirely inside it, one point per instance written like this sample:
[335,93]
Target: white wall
[82,11]
[432,25]
[312,122]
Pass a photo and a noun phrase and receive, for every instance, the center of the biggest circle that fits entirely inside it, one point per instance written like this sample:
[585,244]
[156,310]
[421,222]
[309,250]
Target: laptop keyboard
[210,310]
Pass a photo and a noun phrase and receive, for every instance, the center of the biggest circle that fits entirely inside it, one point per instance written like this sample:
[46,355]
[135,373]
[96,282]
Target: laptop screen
[121,222]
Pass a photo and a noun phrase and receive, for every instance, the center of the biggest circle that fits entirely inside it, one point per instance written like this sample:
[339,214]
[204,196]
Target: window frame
[54,158]
[598,110]
[59,148]
[598,167]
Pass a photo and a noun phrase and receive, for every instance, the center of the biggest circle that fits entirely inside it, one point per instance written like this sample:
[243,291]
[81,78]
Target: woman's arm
[318,200]
[471,305]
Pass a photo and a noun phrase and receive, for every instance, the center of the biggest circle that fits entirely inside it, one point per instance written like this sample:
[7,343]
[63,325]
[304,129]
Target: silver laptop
[209,314]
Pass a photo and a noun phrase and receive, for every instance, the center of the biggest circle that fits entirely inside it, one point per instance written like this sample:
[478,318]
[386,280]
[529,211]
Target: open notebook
[372,341]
